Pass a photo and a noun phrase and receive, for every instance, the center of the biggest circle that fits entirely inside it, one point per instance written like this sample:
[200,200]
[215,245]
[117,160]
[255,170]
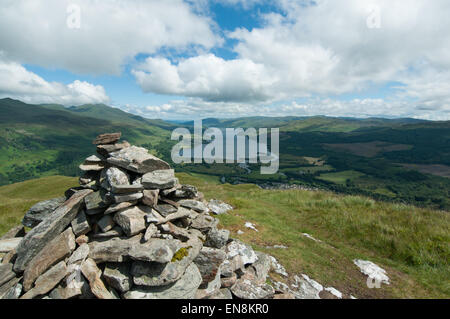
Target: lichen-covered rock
[116,176]
[219,207]
[112,250]
[217,238]
[194,204]
[246,289]
[160,179]
[137,159]
[117,275]
[208,262]
[245,252]
[160,274]
[184,288]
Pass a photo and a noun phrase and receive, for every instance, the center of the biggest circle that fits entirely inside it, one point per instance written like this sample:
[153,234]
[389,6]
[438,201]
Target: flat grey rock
[217,238]
[7,245]
[186,191]
[219,207]
[106,223]
[116,177]
[47,281]
[185,288]
[131,220]
[6,273]
[127,197]
[38,237]
[137,159]
[56,250]
[107,138]
[155,250]
[159,179]
[246,289]
[208,262]
[80,224]
[117,275]
[112,250]
[158,274]
[40,211]
[165,209]
[194,204]
[95,203]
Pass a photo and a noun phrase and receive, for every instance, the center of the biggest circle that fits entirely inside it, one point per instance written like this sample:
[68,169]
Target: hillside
[410,243]
[42,140]
[396,160]
[399,160]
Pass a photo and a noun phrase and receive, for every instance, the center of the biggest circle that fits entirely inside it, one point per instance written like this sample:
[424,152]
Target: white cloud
[111,32]
[19,83]
[322,48]
[206,76]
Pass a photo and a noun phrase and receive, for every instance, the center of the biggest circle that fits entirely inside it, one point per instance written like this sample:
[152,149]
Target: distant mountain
[39,140]
[307,124]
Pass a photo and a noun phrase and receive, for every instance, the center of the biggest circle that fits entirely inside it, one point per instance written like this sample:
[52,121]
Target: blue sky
[178,59]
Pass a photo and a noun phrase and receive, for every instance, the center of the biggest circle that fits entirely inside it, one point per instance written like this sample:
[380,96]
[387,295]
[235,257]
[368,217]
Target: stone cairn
[130,231]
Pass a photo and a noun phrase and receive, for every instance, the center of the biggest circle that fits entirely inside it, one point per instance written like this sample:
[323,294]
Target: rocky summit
[130,231]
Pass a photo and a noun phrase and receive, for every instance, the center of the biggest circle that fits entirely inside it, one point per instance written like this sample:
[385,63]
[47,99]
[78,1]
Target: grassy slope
[412,244]
[16,199]
[40,140]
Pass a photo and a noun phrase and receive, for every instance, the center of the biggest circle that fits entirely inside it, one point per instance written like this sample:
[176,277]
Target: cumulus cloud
[111,32]
[206,76]
[194,108]
[19,83]
[321,48]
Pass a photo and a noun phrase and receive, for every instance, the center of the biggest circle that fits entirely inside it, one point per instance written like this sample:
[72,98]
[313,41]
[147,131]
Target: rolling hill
[400,160]
[43,140]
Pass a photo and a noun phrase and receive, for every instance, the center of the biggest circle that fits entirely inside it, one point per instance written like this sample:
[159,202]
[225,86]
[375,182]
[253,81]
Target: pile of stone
[131,231]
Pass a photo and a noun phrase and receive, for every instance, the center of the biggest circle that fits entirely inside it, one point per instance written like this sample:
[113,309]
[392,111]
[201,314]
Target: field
[436,169]
[369,149]
[412,244]
[340,177]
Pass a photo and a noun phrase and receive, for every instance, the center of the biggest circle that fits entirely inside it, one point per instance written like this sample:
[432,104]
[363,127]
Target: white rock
[246,253]
[334,292]
[277,267]
[6,245]
[251,226]
[372,270]
[307,288]
[311,237]
[218,207]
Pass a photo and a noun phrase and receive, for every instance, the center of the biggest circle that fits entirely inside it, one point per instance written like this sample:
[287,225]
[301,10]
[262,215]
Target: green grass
[412,244]
[340,177]
[16,199]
